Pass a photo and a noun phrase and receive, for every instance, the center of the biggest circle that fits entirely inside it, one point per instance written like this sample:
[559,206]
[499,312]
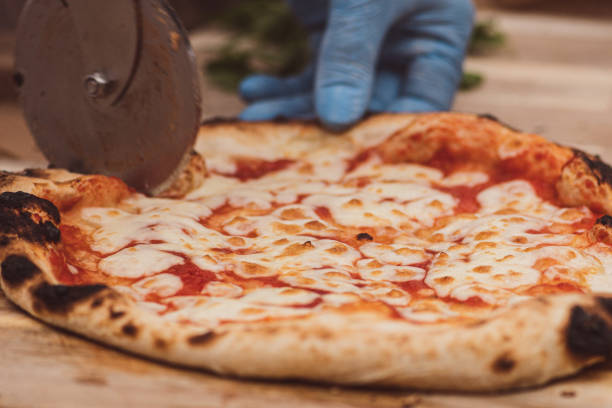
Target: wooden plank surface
[552,78]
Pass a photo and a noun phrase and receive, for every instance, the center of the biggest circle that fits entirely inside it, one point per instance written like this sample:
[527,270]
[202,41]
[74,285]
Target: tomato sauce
[250,168]
[74,239]
[466,196]
[505,170]
[61,271]
[359,159]
[194,279]
[412,286]
[586,223]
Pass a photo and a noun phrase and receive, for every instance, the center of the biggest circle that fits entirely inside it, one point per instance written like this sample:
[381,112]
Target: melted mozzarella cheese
[497,266]
[394,254]
[385,204]
[404,172]
[464,178]
[116,229]
[601,255]
[162,284]
[280,296]
[138,261]
[222,289]
[373,270]
[209,312]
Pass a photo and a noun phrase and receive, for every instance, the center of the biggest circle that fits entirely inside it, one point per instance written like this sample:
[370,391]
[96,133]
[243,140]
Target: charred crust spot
[605,220]
[130,330]
[588,334]
[364,236]
[52,233]
[160,343]
[17,269]
[601,170]
[503,364]
[61,298]
[91,380]
[494,118]
[6,178]
[24,201]
[606,303]
[20,215]
[568,393]
[201,339]
[115,314]
[97,302]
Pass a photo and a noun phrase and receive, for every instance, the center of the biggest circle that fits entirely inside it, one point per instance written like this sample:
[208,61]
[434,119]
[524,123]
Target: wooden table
[554,77]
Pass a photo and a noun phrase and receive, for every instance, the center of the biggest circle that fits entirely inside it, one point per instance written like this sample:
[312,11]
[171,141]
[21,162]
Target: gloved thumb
[347,59]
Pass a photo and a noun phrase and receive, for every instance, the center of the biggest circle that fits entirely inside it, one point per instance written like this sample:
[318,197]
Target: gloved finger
[440,26]
[411,104]
[386,89]
[347,59]
[287,107]
[256,87]
[430,46]
[432,78]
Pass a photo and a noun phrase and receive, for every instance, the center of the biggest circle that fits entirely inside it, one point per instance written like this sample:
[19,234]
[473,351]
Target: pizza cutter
[109,86]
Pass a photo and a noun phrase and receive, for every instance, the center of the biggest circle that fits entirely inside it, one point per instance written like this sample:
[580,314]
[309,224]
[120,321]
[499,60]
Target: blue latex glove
[370,55]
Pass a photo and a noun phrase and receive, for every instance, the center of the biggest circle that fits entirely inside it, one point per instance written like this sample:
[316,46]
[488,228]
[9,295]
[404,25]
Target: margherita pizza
[437,251]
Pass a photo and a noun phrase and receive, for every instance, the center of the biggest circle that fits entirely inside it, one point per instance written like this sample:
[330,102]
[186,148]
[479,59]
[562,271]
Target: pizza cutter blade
[109,87]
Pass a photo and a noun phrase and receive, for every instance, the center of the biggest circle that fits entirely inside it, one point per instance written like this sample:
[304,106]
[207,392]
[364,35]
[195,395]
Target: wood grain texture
[551,78]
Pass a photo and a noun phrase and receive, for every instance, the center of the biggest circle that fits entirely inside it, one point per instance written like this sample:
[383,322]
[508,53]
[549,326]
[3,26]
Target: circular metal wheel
[109,87]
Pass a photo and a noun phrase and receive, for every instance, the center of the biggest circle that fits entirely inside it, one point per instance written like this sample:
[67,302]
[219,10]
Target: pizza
[433,251]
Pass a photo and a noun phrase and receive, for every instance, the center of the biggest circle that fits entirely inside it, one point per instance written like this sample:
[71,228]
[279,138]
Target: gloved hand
[370,55]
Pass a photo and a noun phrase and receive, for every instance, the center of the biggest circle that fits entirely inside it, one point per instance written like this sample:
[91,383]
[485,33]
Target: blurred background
[543,66]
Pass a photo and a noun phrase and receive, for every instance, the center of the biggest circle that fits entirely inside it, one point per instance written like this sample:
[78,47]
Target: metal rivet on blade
[96,85]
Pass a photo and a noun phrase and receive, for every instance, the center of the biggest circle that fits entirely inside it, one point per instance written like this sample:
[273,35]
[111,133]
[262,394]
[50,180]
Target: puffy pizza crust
[527,344]
[586,180]
[191,173]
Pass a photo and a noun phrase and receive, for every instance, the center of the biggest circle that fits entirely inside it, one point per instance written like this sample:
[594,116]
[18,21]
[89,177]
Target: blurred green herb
[485,38]
[470,80]
[228,68]
[266,37]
